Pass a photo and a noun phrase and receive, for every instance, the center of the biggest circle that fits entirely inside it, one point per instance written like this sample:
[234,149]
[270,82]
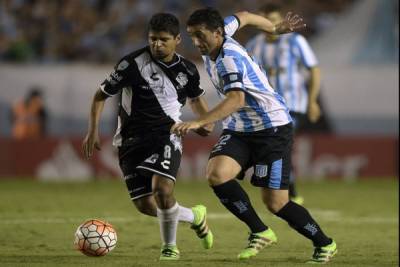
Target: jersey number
[167,155]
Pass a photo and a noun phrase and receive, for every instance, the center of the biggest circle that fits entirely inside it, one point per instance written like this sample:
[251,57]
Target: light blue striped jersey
[234,69]
[284,61]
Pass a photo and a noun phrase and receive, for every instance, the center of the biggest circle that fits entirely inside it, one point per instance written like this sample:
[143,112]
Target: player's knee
[216,176]
[145,206]
[163,190]
[274,205]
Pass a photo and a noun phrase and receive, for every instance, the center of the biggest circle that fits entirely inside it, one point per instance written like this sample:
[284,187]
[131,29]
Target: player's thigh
[228,158]
[221,169]
[146,205]
[162,185]
[138,184]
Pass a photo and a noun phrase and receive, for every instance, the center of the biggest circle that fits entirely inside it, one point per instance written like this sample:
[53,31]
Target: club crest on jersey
[176,141]
[182,79]
[261,170]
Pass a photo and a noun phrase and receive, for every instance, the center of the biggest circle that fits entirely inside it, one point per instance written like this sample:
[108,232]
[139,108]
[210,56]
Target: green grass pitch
[38,221]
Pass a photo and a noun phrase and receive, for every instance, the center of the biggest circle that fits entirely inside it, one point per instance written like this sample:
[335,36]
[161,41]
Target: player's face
[205,40]
[275,17]
[163,45]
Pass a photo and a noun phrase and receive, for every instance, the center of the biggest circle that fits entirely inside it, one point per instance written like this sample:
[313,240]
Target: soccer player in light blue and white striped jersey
[293,71]
[257,130]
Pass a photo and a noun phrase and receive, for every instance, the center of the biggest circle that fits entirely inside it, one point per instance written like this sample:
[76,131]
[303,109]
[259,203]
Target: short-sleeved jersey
[152,93]
[234,69]
[284,60]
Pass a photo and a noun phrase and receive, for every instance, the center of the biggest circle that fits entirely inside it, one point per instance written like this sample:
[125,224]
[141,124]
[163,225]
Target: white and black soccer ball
[95,238]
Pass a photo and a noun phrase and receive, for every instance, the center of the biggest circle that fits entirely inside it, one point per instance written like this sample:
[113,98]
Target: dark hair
[34,91]
[164,22]
[270,7]
[209,16]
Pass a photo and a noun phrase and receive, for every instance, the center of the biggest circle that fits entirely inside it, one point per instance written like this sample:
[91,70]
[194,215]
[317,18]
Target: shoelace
[201,229]
[252,240]
[169,252]
[320,253]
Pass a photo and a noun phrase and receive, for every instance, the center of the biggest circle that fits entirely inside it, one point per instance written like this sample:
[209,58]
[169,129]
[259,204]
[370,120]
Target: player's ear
[220,31]
[178,39]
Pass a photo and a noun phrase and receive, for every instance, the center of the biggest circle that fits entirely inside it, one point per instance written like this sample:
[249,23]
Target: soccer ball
[95,238]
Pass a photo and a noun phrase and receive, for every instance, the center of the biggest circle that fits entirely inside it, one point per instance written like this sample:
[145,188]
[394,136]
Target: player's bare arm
[233,101]
[92,139]
[291,22]
[314,111]
[199,108]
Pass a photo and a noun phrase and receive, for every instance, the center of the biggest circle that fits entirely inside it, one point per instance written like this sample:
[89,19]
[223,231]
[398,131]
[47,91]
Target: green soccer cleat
[258,241]
[200,226]
[169,253]
[323,255]
[298,200]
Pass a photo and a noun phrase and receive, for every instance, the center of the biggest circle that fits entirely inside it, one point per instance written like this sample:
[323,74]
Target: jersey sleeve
[119,78]
[231,25]
[307,55]
[231,70]
[194,89]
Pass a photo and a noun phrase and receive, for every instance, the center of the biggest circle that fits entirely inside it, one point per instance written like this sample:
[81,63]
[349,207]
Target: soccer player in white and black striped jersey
[257,131]
[154,84]
[293,71]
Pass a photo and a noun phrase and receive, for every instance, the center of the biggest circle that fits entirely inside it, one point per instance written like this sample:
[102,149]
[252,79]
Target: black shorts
[267,151]
[299,120]
[147,155]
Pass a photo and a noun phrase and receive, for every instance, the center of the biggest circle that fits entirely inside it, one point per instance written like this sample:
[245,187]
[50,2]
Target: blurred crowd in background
[104,30]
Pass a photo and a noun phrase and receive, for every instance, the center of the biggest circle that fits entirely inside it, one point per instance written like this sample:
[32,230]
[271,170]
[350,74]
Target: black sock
[235,199]
[300,220]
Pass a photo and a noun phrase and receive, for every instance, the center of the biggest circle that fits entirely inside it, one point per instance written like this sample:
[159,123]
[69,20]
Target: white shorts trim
[140,196]
[158,172]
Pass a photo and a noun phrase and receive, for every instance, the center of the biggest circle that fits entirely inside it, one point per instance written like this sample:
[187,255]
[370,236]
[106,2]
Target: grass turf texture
[38,221]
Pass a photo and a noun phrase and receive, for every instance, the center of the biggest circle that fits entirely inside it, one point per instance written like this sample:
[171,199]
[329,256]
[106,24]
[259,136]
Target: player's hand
[90,142]
[205,130]
[314,112]
[183,128]
[291,23]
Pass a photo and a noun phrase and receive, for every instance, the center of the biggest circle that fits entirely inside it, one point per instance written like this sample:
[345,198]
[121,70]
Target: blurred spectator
[29,116]
[96,30]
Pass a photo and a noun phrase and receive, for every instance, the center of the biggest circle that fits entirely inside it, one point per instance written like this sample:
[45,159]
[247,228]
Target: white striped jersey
[152,93]
[234,69]
[284,61]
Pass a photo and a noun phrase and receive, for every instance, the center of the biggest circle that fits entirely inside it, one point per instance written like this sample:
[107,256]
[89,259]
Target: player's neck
[217,50]
[170,59]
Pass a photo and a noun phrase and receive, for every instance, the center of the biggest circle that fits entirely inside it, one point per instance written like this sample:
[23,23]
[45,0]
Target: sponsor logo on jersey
[152,159]
[114,78]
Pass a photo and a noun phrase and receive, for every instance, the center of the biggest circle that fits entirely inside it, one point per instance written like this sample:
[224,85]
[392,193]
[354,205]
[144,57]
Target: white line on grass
[322,215]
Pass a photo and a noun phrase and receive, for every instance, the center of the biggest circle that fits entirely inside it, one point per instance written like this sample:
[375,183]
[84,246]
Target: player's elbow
[243,17]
